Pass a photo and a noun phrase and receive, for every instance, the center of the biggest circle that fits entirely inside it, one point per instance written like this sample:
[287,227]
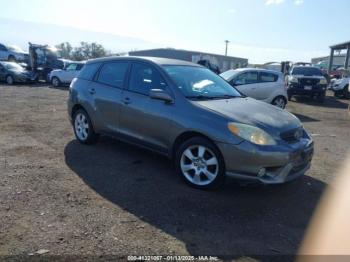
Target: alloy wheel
[199,165]
[81,126]
[55,82]
[279,102]
[9,80]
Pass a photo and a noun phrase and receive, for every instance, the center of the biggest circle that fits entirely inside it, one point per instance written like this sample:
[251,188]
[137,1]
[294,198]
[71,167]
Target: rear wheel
[280,102]
[200,164]
[83,128]
[10,80]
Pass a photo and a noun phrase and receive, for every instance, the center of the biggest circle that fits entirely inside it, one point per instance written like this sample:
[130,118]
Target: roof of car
[156,60]
[255,69]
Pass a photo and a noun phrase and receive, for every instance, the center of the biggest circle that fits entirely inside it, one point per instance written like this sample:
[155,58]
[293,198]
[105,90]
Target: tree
[88,51]
[65,50]
[83,52]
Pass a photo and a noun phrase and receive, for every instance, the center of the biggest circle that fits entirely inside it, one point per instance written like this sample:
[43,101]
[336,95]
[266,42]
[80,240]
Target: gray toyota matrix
[188,113]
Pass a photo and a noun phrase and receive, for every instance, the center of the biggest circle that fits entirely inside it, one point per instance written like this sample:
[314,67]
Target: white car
[12,54]
[340,87]
[65,76]
[261,84]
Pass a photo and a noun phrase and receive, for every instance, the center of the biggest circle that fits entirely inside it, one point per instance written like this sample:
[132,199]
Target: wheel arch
[184,137]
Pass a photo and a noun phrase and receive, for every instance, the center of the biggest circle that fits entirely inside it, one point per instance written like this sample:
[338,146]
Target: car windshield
[307,71]
[15,48]
[229,74]
[13,66]
[200,83]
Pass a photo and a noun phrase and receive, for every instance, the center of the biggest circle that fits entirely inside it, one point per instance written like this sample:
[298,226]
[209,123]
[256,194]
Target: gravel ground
[62,198]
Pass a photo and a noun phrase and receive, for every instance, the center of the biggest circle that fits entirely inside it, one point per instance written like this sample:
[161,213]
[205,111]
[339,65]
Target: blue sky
[261,30]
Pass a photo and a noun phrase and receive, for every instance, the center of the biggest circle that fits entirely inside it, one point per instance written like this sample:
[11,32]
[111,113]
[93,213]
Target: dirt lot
[115,199]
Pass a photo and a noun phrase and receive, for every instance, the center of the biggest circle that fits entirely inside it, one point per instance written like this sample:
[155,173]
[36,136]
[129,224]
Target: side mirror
[160,94]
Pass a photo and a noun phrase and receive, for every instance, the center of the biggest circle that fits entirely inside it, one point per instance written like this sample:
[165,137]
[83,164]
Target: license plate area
[308,87]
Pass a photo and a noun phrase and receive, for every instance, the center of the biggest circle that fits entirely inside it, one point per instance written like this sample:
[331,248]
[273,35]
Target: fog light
[261,172]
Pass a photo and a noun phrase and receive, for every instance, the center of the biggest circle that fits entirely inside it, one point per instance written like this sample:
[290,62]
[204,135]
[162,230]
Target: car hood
[253,112]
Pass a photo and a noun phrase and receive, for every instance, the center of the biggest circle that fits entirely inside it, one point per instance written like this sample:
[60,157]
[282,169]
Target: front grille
[293,135]
[309,81]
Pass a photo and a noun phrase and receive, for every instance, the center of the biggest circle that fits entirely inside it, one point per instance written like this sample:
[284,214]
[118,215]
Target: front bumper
[267,165]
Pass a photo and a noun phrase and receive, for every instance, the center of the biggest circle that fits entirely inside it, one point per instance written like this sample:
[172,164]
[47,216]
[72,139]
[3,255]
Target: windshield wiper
[199,97]
[225,97]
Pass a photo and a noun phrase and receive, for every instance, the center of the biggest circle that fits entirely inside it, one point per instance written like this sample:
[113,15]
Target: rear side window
[143,78]
[268,77]
[113,73]
[89,71]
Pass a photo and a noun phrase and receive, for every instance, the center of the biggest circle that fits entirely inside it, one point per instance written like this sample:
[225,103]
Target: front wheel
[321,97]
[10,80]
[55,81]
[280,102]
[83,128]
[346,92]
[200,164]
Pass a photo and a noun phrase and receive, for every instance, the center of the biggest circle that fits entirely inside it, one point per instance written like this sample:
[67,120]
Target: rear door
[69,73]
[247,83]
[106,92]
[142,119]
[268,83]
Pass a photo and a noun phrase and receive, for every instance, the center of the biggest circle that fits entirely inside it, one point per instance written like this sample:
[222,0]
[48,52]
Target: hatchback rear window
[307,71]
[88,71]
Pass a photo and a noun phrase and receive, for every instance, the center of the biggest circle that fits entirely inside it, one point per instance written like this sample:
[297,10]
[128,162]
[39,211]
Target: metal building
[223,62]
[338,60]
[340,47]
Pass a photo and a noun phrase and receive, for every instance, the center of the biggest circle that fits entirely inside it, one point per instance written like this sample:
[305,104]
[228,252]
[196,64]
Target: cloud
[274,2]
[298,2]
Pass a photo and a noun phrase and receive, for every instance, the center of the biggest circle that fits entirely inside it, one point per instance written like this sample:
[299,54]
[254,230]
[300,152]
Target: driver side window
[71,67]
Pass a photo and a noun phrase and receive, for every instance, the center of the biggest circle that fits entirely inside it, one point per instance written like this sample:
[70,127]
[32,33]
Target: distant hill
[19,33]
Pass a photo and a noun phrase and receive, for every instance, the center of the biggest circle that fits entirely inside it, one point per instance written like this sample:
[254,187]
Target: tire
[280,102]
[83,129]
[10,80]
[199,162]
[346,92]
[11,58]
[55,81]
[321,97]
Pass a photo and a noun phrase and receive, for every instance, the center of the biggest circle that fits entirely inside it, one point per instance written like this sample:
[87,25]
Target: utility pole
[226,42]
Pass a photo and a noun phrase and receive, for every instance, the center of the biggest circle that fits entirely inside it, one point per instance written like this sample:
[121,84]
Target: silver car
[188,113]
[60,77]
[265,85]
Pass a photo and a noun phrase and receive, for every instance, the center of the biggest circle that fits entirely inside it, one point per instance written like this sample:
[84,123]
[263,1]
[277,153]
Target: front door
[247,83]
[143,119]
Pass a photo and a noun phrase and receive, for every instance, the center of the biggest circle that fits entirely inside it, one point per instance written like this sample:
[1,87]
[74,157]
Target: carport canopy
[339,47]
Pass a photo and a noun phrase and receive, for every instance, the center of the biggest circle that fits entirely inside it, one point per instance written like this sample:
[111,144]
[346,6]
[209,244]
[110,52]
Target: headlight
[253,134]
[293,79]
[323,82]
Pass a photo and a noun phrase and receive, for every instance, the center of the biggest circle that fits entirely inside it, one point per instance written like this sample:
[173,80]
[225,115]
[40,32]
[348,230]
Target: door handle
[126,100]
[92,91]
